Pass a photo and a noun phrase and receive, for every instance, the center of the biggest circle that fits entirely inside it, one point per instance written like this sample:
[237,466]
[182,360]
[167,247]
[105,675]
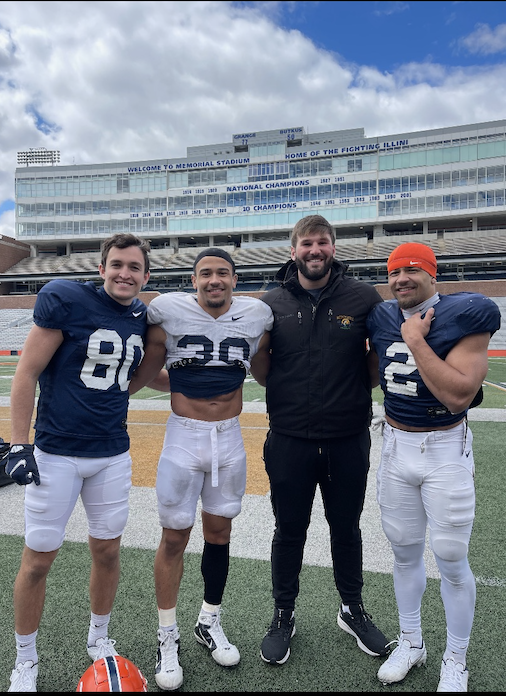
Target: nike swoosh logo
[136,314]
[22,462]
[414,263]
[237,318]
[206,640]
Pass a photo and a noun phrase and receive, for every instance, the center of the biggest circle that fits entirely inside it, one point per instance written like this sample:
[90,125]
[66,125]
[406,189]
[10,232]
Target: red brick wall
[11,251]
[17,301]
[490,288]
[28,301]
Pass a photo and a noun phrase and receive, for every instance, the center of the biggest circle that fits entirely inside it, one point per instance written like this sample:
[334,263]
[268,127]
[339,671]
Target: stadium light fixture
[38,155]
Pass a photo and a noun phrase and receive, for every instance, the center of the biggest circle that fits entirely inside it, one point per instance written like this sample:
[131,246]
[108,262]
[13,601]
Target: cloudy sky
[123,81]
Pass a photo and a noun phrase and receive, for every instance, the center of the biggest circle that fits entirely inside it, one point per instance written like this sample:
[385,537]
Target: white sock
[99,624]
[413,637]
[456,657]
[167,618]
[26,650]
[210,608]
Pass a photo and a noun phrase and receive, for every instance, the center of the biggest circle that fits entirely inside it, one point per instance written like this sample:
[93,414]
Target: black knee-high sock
[214,568]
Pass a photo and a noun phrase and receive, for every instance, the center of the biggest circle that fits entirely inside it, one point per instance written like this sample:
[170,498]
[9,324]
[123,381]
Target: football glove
[4,449]
[21,465]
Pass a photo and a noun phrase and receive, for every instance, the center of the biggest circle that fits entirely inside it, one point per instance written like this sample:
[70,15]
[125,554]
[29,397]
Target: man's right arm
[372,361]
[40,346]
[261,361]
[150,369]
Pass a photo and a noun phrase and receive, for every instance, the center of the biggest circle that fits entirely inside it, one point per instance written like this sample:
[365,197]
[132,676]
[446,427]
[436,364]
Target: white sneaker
[168,671]
[209,632]
[24,677]
[453,676]
[400,662]
[104,647]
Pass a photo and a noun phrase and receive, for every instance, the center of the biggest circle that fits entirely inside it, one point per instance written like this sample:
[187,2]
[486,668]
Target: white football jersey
[193,333]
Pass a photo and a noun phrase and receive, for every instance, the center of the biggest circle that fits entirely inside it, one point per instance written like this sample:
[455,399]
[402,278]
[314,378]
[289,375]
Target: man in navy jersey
[433,359]
[83,349]
[207,340]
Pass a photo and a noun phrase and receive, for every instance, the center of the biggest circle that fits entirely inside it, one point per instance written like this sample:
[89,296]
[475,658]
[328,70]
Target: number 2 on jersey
[400,367]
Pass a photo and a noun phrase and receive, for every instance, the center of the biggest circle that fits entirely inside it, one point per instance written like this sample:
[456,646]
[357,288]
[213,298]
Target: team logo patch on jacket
[345,321]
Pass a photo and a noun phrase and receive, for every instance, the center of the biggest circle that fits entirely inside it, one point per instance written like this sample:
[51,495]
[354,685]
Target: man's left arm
[261,361]
[453,381]
[150,372]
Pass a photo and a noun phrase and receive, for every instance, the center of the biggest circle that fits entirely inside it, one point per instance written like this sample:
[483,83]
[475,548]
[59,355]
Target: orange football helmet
[114,673]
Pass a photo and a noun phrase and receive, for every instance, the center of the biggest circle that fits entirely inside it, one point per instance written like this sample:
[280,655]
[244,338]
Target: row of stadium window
[419,182]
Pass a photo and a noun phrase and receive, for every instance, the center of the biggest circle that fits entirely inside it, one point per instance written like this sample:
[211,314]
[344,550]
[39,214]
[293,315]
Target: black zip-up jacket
[318,384]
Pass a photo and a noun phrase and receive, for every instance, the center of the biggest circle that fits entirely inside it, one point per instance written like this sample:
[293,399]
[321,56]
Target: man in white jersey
[432,351]
[207,341]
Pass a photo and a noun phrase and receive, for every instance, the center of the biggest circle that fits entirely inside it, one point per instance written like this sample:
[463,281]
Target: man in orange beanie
[413,255]
[432,352]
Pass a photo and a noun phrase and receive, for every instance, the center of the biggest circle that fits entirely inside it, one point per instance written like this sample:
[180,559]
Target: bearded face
[313,256]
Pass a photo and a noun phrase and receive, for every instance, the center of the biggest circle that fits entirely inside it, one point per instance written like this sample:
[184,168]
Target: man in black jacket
[317,375]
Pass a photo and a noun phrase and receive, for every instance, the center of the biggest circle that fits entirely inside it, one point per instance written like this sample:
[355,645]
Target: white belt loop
[214,457]
[466,427]
[378,424]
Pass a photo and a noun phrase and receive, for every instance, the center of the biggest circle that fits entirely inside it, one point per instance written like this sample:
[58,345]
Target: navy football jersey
[407,399]
[83,403]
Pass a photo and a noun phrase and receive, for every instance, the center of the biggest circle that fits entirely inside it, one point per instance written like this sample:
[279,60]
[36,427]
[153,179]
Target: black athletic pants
[295,467]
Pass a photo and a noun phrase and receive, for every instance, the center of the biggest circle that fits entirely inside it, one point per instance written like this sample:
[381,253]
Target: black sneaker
[276,643]
[359,624]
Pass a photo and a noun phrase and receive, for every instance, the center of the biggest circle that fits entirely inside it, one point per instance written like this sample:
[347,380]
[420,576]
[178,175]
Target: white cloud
[485,41]
[390,8]
[7,223]
[123,81]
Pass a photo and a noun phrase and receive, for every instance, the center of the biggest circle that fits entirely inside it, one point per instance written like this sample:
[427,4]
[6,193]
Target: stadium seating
[349,250]
[16,323]
[498,340]
[37,265]
[14,327]
[261,256]
[79,263]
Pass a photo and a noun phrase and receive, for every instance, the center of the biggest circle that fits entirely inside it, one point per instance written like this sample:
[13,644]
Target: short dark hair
[309,224]
[214,251]
[123,241]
